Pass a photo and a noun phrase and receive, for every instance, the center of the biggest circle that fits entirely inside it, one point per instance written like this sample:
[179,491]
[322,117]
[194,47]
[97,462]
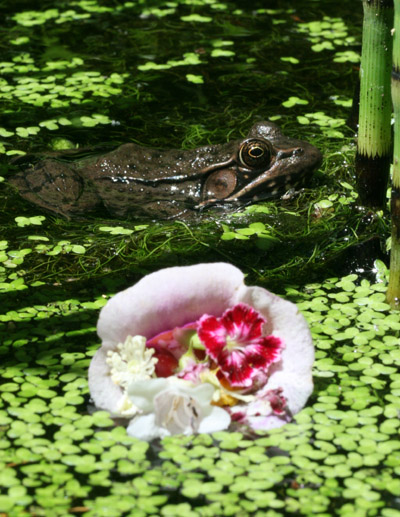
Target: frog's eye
[255,154]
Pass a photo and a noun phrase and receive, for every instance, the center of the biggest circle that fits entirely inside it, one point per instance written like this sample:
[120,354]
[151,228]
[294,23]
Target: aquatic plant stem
[393,293]
[374,134]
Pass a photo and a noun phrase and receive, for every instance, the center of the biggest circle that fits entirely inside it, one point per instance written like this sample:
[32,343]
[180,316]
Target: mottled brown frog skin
[134,180]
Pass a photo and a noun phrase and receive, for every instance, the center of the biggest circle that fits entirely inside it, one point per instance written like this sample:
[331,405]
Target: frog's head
[263,165]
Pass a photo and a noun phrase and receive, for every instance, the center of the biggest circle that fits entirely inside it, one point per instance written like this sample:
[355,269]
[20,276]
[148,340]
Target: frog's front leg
[57,187]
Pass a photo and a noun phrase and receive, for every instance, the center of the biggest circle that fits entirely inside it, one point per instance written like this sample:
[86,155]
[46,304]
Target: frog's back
[55,186]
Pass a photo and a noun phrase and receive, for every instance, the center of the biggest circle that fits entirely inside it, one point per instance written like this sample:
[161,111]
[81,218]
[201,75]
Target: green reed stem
[393,293]
[374,134]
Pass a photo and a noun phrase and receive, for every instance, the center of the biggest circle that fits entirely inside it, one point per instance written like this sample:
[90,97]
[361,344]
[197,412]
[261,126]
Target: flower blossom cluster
[192,349]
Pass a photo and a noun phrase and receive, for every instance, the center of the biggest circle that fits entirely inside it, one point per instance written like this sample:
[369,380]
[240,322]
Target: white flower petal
[108,381]
[142,393]
[105,394]
[266,422]
[178,413]
[143,427]
[217,420]
[175,407]
[203,393]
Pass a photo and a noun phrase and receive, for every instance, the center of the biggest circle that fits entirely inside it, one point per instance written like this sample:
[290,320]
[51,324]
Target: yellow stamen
[225,400]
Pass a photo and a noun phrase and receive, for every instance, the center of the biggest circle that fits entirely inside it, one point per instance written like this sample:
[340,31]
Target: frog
[132,180]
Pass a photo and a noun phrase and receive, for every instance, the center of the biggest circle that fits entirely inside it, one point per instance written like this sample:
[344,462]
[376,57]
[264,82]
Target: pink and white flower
[270,346]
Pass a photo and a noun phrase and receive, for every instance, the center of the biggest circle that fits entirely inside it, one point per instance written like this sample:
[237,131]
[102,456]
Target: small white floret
[131,362]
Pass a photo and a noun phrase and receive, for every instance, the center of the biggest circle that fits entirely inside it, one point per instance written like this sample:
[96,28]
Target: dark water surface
[122,76]
[180,75]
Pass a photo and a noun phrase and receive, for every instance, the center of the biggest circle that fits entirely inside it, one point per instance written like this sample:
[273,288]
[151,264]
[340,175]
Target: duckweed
[58,454]
[338,443]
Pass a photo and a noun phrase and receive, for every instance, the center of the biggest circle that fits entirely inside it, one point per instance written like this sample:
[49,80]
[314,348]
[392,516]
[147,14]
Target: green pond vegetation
[173,74]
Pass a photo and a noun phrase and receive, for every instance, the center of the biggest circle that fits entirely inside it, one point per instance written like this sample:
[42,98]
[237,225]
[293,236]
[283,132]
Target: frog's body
[136,180]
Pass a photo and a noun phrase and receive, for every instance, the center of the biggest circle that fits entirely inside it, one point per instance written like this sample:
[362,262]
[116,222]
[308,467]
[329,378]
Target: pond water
[181,74]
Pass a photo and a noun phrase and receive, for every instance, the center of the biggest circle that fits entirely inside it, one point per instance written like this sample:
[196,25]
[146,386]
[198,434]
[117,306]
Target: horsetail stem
[374,133]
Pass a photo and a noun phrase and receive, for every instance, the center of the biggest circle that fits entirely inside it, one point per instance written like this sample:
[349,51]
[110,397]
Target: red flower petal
[243,322]
[213,335]
[173,341]
[166,364]
[236,370]
[266,352]
[235,343]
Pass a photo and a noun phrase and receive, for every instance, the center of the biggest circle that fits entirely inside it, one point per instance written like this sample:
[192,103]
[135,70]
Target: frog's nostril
[289,153]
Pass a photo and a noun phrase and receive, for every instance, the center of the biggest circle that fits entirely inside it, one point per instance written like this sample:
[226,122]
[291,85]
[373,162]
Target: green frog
[134,180]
